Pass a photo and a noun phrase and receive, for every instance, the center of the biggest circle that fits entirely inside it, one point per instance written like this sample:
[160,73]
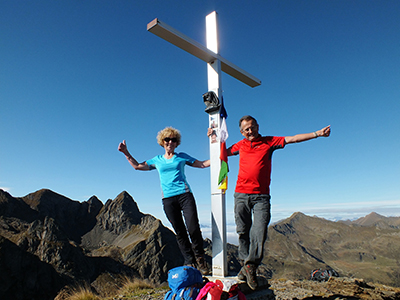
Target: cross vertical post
[218,205]
[215,66]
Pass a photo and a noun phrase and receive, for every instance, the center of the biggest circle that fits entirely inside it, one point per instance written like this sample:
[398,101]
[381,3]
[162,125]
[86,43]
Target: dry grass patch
[135,286]
[137,289]
[77,293]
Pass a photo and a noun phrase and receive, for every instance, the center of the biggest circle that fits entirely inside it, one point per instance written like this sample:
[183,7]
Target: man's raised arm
[325,132]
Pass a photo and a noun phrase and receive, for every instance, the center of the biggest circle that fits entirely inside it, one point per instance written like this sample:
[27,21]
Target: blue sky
[78,77]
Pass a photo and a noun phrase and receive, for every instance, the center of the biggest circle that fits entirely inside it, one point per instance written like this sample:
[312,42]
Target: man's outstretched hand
[326,131]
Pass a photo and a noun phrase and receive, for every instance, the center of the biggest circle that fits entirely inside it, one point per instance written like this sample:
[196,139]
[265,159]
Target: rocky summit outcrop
[335,289]
[48,241]
[283,289]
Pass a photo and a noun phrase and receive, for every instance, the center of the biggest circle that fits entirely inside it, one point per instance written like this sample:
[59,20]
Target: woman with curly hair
[177,196]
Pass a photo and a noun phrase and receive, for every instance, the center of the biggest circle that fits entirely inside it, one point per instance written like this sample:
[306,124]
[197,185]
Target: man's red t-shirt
[255,163]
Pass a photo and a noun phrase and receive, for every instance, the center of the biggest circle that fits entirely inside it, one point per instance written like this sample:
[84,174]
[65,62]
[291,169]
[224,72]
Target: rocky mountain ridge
[48,241]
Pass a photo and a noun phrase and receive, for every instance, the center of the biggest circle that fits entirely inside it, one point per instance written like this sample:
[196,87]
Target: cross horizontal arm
[180,40]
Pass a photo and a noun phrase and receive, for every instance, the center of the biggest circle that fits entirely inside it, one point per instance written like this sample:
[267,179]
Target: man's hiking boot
[250,271]
[241,275]
[202,266]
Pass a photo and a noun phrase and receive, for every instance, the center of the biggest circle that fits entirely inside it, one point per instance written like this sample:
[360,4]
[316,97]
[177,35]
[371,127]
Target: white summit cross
[215,65]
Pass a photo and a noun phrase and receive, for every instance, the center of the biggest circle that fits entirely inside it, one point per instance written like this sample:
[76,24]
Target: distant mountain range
[48,241]
[365,248]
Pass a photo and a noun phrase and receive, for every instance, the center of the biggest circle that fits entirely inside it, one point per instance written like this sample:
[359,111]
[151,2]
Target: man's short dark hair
[246,118]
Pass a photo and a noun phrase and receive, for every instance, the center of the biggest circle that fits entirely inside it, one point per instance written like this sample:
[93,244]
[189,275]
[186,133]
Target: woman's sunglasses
[174,140]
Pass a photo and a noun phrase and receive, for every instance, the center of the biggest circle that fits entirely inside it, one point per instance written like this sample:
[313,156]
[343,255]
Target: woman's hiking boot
[191,265]
[202,266]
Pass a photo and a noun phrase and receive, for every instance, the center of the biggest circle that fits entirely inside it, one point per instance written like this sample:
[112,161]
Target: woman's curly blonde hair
[168,132]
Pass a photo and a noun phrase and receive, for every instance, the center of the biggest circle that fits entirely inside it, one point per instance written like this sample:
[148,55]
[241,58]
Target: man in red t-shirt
[252,196]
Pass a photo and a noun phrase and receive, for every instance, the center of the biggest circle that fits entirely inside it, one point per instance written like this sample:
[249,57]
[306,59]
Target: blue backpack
[186,293]
[185,283]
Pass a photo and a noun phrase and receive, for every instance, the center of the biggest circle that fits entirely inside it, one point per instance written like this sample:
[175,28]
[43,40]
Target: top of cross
[189,45]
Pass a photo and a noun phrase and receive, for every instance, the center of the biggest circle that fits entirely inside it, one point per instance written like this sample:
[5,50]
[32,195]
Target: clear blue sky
[78,77]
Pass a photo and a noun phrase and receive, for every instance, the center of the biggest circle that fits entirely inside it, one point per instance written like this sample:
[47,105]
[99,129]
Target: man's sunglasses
[174,140]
